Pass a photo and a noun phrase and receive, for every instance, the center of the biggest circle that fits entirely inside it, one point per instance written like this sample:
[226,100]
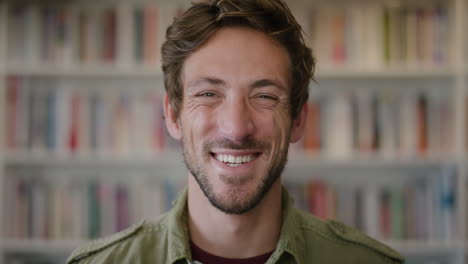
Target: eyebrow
[218,82]
[208,80]
[267,82]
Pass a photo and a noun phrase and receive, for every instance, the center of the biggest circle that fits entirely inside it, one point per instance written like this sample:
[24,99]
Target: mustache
[247,143]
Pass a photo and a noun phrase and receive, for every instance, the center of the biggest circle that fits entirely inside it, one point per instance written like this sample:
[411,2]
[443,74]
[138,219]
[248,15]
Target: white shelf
[299,168]
[104,70]
[328,73]
[167,158]
[174,156]
[112,70]
[368,160]
[426,247]
[66,246]
[40,246]
[362,171]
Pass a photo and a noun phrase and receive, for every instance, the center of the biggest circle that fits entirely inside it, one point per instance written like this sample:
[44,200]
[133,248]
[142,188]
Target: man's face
[235,120]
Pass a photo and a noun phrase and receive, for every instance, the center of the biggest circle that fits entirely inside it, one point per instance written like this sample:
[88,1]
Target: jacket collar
[291,239]
[178,233]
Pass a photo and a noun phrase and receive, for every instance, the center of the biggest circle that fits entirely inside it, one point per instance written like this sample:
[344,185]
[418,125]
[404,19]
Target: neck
[234,236]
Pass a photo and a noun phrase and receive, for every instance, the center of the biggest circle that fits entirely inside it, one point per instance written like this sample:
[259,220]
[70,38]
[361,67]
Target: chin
[237,199]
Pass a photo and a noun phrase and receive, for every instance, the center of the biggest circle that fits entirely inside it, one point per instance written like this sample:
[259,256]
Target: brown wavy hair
[193,28]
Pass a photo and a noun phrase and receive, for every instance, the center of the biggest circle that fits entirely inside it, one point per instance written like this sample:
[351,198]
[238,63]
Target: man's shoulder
[121,244]
[334,236]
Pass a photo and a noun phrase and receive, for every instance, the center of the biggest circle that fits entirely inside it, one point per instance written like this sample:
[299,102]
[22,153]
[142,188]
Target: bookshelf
[3,26]
[40,246]
[151,72]
[388,73]
[85,71]
[120,77]
[461,43]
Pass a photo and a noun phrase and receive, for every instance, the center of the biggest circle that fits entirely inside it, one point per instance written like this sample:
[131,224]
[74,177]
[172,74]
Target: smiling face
[235,121]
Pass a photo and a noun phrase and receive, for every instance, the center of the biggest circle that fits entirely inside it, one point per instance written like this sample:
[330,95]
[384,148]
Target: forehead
[240,56]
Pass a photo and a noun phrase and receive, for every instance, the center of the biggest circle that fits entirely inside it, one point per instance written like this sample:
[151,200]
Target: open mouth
[235,160]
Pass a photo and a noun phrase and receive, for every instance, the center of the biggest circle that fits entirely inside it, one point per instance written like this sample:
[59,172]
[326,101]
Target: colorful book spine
[12,104]
[374,36]
[66,119]
[40,207]
[313,141]
[109,45]
[124,34]
[150,34]
[419,208]
[138,34]
[385,124]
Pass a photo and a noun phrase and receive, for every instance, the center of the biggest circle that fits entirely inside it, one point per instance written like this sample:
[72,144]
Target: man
[236,75]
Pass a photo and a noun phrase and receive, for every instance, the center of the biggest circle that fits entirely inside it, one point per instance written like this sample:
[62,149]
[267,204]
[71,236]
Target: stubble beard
[236,204]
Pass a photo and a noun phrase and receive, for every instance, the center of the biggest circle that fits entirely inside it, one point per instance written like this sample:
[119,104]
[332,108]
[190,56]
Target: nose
[236,119]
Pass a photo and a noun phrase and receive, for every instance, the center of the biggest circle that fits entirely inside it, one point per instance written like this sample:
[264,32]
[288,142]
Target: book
[15,42]
[312,132]
[124,42]
[87,119]
[12,111]
[119,34]
[373,36]
[83,119]
[385,123]
[63,48]
[377,36]
[422,124]
[41,203]
[32,42]
[419,207]
[138,34]
[339,142]
[109,45]
[363,121]
[388,124]
[150,34]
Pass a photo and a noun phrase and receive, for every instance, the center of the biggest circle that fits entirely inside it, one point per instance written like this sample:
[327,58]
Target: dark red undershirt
[204,257]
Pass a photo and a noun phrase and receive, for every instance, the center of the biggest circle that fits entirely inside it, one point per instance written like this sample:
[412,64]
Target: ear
[172,122]
[298,125]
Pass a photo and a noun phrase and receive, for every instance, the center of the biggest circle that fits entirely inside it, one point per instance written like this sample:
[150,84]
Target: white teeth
[234,160]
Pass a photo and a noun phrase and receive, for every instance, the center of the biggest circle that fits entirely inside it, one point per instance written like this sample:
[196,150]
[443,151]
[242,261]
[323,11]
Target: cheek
[278,131]
[283,127]
[278,121]
[195,125]
[281,122]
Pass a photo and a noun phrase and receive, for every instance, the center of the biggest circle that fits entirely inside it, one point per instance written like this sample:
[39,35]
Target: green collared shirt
[304,239]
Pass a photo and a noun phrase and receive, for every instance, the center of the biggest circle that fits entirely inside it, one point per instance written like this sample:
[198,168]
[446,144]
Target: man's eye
[266,96]
[207,94]
[266,100]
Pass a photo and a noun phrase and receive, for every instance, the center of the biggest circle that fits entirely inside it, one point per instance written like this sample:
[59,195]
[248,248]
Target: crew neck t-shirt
[199,256]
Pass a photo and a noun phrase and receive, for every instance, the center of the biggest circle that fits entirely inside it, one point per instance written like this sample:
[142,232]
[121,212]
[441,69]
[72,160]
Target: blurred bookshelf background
[84,151]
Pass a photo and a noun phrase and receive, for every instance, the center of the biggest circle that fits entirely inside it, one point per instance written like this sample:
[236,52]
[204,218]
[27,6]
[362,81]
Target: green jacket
[304,239]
